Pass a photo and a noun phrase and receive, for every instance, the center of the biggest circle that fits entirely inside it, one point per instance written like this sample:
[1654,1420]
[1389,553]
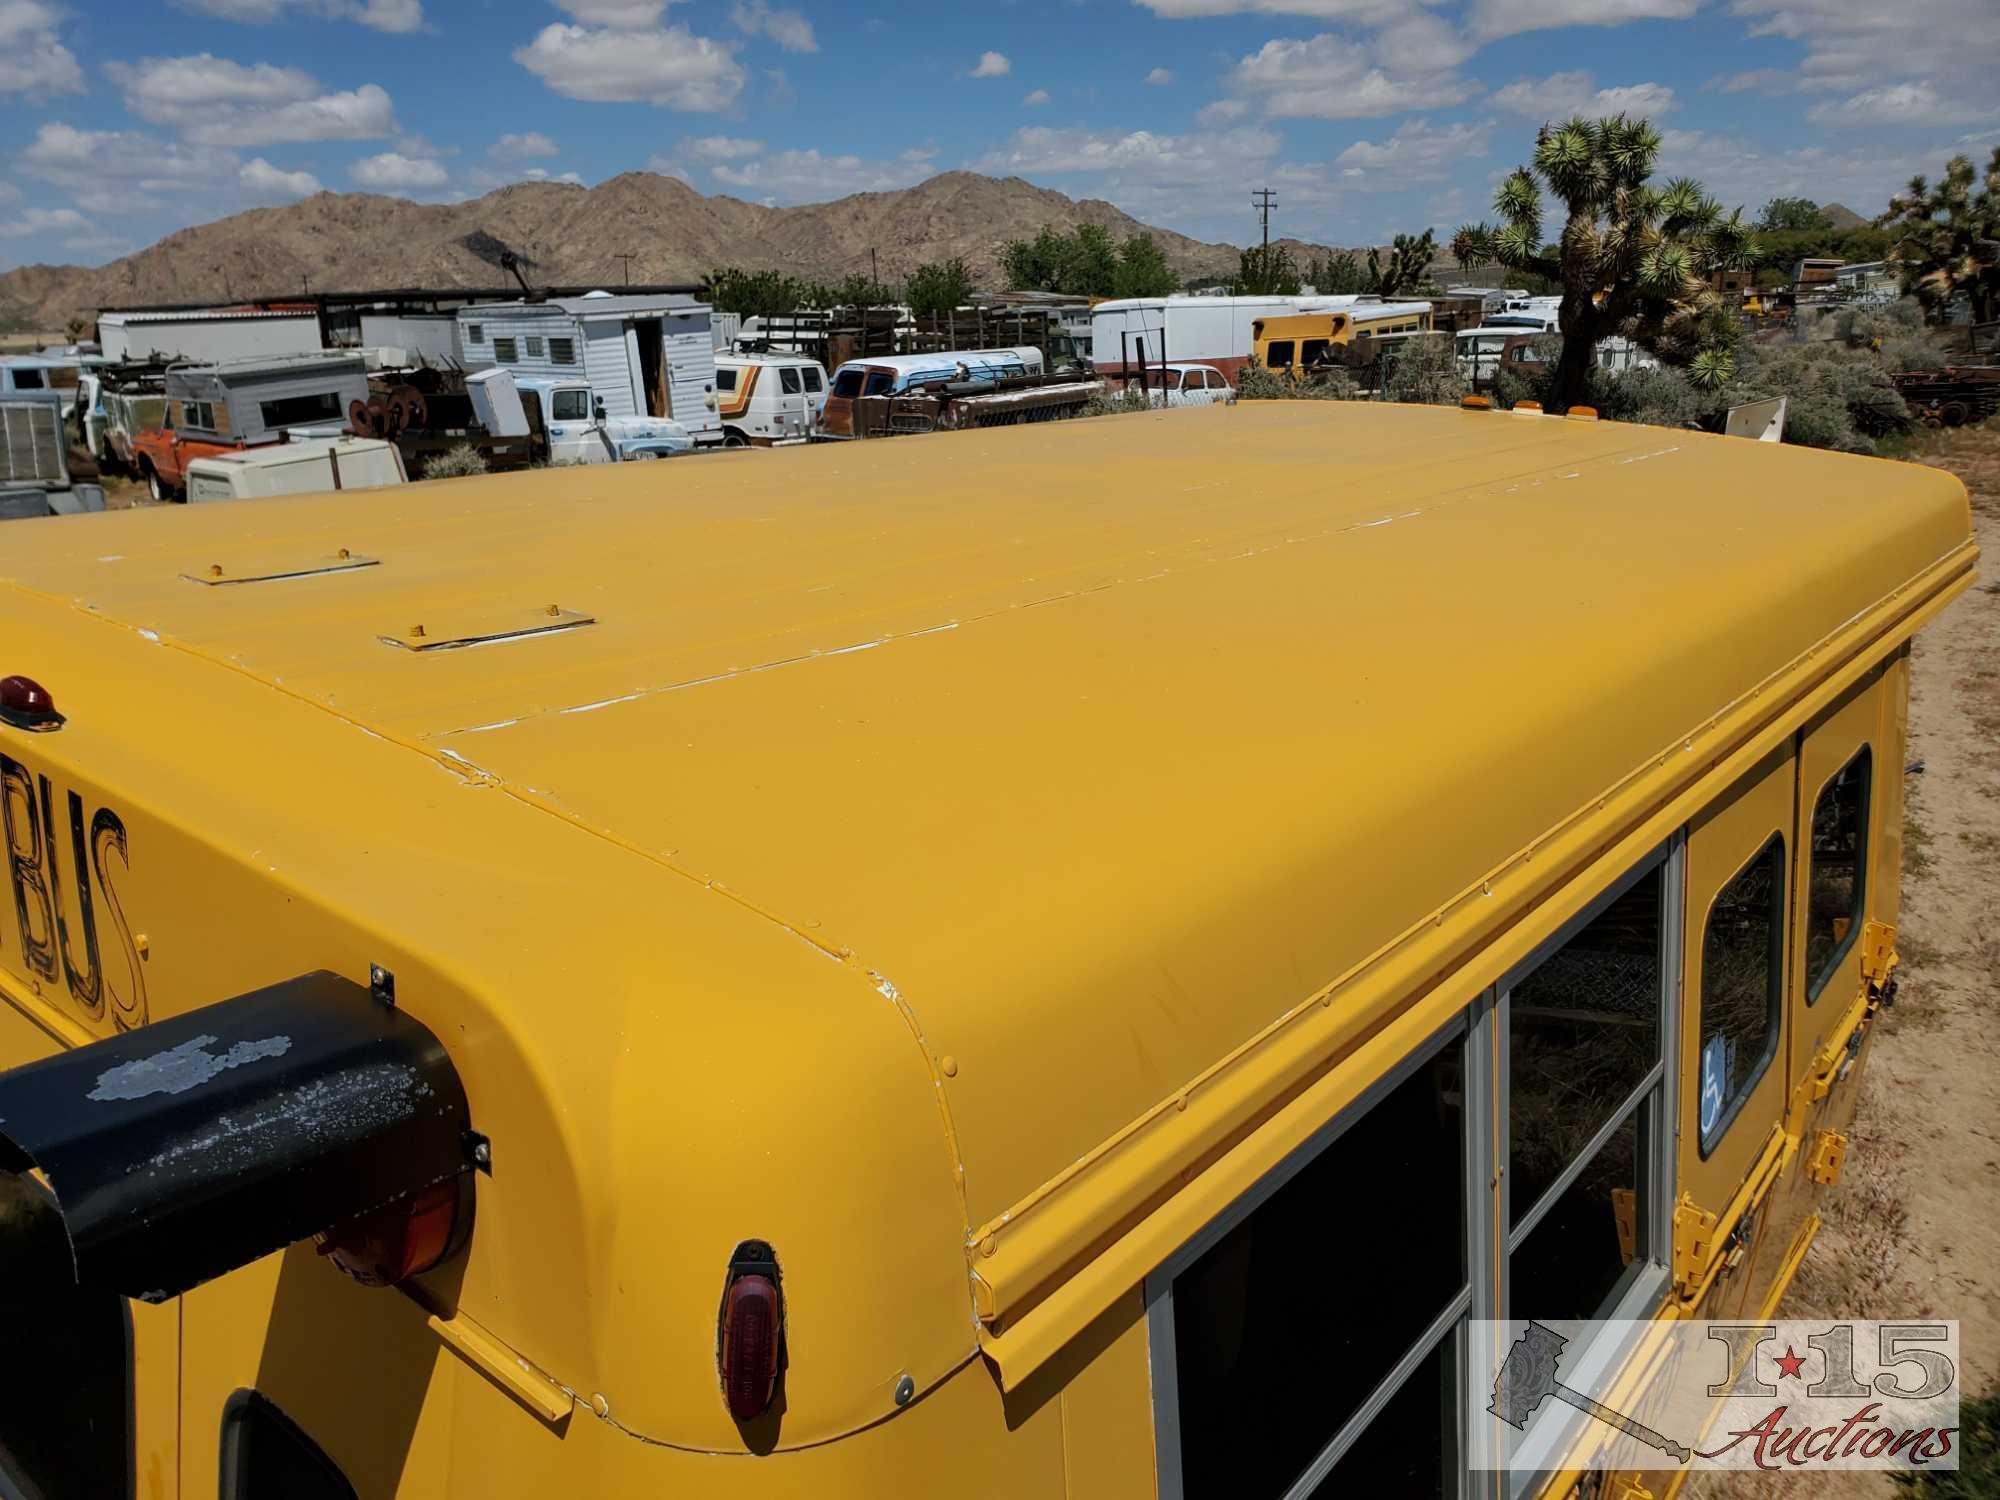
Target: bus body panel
[963,885]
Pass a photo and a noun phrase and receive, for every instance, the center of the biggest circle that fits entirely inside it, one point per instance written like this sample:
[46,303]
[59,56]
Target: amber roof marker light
[26,704]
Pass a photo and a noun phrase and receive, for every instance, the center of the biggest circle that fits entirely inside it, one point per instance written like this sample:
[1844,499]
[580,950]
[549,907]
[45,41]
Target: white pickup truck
[580,433]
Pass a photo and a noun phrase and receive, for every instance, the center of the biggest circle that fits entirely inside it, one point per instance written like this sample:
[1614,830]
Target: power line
[627,259]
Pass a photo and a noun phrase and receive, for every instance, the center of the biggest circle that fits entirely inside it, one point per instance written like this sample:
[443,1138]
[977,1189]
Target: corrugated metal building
[204,335]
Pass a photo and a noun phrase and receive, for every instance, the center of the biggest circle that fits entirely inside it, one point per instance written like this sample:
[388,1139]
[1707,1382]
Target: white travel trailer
[1210,330]
[206,335]
[649,355]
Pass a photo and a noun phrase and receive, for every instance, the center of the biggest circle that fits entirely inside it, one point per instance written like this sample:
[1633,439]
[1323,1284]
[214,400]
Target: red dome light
[26,704]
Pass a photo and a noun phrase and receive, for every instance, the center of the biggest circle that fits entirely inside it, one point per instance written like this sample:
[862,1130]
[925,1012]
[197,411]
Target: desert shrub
[1912,352]
[1423,370]
[456,463]
[1112,400]
[1255,383]
[1839,397]
[1878,323]
[1660,397]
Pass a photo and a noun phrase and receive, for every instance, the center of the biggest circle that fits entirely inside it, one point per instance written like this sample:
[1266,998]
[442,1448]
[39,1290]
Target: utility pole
[874,269]
[627,259]
[1264,200]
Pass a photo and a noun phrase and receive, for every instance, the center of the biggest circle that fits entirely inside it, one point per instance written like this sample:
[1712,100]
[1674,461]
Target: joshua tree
[1950,237]
[1409,261]
[1632,258]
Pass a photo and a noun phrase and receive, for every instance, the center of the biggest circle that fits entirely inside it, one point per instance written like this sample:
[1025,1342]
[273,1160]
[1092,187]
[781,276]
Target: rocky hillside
[350,241]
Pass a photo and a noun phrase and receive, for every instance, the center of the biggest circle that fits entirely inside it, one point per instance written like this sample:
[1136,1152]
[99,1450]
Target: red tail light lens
[750,1343]
[404,1238]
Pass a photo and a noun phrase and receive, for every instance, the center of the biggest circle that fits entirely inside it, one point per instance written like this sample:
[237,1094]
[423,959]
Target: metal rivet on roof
[948,1065]
[988,1245]
[343,554]
[555,609]
[215,570]
[416,631]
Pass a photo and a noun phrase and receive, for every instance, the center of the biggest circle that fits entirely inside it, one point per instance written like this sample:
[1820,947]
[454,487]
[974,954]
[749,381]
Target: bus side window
[1313,352]
[1742,987]
[1279,355]
[1837,894]
[1584,1072]
[1273,1359]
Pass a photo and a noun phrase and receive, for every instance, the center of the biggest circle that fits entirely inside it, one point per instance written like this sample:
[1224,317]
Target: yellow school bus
[1302,343]
[1058,962]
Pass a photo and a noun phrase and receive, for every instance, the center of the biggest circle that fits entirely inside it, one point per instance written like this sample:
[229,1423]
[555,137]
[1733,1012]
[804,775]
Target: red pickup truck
[162,456]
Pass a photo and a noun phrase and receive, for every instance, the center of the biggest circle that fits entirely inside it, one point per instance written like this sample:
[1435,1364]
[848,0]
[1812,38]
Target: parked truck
[245,403]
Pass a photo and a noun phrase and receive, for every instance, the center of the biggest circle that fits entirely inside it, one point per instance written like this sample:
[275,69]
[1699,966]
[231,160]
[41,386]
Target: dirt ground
[1914,1228]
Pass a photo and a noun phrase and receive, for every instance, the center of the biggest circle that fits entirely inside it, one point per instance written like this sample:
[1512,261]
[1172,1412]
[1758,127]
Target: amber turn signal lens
[404,1238]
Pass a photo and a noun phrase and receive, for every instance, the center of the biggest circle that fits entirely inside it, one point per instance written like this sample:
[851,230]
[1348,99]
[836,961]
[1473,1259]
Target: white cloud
[9,193]
[992,65]
[788,28]
[29,221]
[721,148]
[1489,19]
[33,59]
[1737,171]
[1221,111]
[808,177]
[1159,78]
[621,15]
[520,145]
[1563,94]
[262,180]
[1763,80]
[1898,104]
[1948,48]
[1034,99]
[666,166]
[1415,153]
[216,102]
[119,171]
[1330,77]
[1366,12]
[669,67]
[382,15]
[392,170]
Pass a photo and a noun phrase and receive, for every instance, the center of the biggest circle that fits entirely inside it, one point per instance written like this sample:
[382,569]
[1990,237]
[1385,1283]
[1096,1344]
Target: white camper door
[610,367]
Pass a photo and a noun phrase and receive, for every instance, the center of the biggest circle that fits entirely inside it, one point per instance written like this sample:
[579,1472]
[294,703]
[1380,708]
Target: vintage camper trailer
[648,355]
[243,403]
[208,334]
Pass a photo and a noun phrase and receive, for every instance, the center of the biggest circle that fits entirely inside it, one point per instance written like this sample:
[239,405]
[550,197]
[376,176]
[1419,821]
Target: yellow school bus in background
[1036,968]
[1302,343]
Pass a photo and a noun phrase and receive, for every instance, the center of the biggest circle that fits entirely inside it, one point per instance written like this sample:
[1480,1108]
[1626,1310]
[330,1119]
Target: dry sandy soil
[1914,1228]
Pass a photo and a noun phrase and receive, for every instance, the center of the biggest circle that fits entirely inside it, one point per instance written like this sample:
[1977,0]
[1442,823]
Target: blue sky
[128,120]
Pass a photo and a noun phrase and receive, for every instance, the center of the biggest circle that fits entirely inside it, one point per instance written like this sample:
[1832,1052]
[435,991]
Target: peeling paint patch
[181,1068]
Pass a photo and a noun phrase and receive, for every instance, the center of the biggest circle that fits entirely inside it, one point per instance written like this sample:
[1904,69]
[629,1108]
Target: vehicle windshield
[879,383]
[847,384]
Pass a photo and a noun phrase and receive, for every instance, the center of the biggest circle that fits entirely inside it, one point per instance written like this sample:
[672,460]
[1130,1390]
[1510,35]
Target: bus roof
[1097,750]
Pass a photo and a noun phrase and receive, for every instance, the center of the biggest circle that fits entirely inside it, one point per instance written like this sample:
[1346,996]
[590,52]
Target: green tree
[1142,269]
[76,328]
[1792,214]
[1266,271]
[1408,262]
[1338,272]
[1632,258]
[1082,263]
[939,287]
[861,291]
[751,294]
[1948,237]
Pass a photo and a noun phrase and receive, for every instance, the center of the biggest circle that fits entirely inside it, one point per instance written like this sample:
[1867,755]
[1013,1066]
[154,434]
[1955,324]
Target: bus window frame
[1816,983]
[1490,1242]
[1706,1141]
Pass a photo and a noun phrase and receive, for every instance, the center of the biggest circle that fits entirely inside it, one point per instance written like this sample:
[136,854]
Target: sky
[128,120]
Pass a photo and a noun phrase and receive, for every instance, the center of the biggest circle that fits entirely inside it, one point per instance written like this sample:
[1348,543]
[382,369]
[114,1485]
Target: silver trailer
[259,400]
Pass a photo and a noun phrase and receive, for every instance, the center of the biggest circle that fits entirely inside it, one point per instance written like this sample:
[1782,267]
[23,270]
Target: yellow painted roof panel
[1103,743]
